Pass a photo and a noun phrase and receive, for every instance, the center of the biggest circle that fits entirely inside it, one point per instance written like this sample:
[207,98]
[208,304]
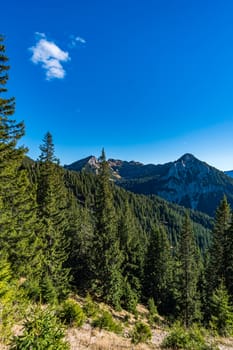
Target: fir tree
[17,200]
[221,312]
[158,273]
[216,268]
[228,259]
[133,256]
[80,236]
[107,257]
[52,210]
[189,307]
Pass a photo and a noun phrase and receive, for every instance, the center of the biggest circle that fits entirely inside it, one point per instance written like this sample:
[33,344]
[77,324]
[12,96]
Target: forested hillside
[65,233]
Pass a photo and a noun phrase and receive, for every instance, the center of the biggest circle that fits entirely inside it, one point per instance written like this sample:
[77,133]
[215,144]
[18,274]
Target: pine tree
[158,273]
[216,268]
[189,308]
[17,200]
[133,256]
[52,210]
[80,236]
[228,259]
[107,257]
[221,311]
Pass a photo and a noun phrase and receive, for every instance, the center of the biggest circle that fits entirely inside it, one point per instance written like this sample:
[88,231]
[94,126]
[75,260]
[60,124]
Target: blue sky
[148,80]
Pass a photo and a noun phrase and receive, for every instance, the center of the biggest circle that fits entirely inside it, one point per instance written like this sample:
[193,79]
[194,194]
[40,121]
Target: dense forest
[66,233]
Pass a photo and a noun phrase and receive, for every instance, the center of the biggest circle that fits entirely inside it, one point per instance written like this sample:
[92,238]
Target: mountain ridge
[186,181]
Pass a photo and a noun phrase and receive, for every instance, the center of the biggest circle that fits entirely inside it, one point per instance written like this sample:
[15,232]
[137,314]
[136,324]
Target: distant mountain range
[186,181]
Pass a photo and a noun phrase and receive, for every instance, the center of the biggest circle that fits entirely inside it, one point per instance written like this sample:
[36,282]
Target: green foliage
[153,312]
[71,313]
[221,312]
[158,272]
[129,298]
[42,330]
[52,213]
[217,269]
[188,339]
[188,303]
[106,321]
[90,308]
[107,257]
[7,294]
[141,333]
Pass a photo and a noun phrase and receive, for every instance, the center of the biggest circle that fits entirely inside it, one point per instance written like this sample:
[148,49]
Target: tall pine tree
[158,273]
[107,258]
[217,260]
[52,213]
[133,258]
[17,199]
[188,302]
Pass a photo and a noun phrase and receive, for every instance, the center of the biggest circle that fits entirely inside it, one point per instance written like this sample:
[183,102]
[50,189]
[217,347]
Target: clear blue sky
[149,80]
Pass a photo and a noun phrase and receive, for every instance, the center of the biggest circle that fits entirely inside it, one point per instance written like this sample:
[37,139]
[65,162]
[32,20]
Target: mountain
[186,181]
[229,173]
[89,164]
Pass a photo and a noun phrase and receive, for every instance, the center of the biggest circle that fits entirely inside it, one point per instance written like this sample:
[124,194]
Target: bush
[188,339]
[106,321]
[71,313]
[130,299]
[221,312]
[153,312]
[42,330]
[141,333]
[90,308]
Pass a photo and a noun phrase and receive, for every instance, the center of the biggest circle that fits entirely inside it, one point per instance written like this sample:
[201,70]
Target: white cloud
[50,56]
[81,40]
[74,40]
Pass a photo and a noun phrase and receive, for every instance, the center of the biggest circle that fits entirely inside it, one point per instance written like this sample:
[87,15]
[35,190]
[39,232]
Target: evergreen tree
[189,308]
[228,259]
[17,200]
[221,312]
[216,268]
[80,236]
[133,256]
[158,273]
[107,258]
[52,213]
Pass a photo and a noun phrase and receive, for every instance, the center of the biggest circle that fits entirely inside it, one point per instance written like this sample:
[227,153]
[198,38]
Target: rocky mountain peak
[187,157]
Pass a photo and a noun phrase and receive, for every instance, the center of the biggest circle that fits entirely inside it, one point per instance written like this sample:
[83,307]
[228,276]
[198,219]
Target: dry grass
[88,338]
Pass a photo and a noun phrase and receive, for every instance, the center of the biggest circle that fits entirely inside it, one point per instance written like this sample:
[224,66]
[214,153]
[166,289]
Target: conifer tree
[189,307]
[216,268]
[221,311]
[17,201]
[158,273]
[52,210]
[133,256]
[80,236]
[228,259]
[107,257]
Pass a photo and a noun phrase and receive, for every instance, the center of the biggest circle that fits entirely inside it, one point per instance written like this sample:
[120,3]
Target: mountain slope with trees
[188,181]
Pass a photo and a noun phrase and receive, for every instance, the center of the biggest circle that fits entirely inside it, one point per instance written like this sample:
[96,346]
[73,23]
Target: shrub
[141,333]
[71,313]
[90,308]
[130,299]
[188,339]
[42,330]
[106,321]
[153,312]
[221,312]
